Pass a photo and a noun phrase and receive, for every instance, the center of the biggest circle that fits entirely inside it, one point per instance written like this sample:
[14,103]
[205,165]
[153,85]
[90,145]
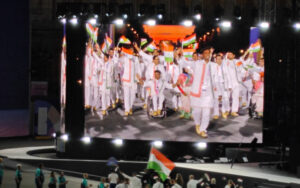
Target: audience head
[195,56]
[156,59]
[85,175]
[40,165]
[157,74]
[191,177]
[213,181]
[19,166]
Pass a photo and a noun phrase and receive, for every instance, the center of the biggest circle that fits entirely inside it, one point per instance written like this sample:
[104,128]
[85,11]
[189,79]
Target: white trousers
[246,92]
[129,97]
[224,102]
[235,94]
[105,98]
[157,101]
[87,94]
[201,117]
[176,101]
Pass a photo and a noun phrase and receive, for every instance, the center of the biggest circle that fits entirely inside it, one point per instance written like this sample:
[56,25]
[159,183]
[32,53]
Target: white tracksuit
[130,66]
[232,80]
[202,93]
[173,73]
[157,92]
[105,81]
[219,90]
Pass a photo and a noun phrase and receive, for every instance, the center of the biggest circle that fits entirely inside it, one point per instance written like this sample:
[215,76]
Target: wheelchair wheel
[149,108]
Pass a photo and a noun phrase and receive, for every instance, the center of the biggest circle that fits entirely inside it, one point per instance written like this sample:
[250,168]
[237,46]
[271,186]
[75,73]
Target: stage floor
[172,128]
[251,170]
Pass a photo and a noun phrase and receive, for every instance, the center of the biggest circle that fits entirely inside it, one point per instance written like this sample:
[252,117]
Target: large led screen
[172,83]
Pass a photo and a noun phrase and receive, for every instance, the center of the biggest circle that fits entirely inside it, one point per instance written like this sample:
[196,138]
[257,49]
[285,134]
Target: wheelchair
[150,110]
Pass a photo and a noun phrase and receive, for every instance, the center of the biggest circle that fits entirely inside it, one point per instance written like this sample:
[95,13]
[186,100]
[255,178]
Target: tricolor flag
[188,53]
[189,40]
[168,52]
[106,44]
[160,164]
[93,32]
[127,52]
[255,47]
[195,46]
[255,44]
[151,47]
[124,40]
[143,41]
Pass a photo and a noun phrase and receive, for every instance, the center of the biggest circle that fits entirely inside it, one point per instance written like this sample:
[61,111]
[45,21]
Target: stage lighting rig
[151,22]
[264,25]
[74,20]
[118,142]
[225,24]
[86,139]
[157,144]
[187,23]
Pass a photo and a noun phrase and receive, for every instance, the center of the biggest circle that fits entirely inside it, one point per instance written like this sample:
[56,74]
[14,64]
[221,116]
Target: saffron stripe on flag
[167,162]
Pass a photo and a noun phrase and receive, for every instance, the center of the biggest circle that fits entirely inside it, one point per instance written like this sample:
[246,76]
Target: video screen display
[166,83]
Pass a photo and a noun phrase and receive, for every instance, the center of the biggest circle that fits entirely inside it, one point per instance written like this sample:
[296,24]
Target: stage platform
[75,166]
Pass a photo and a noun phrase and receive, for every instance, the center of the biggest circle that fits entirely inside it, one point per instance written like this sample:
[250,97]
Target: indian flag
[168,52]
[189,40]
[151,47]
[160,164]
[255,47]
[106,44]
[195,46]
[143,41]
[93,32]
[127,52]
[188,53]
[124,40]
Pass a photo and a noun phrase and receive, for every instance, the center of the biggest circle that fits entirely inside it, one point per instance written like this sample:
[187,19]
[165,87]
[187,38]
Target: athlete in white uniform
[202,98]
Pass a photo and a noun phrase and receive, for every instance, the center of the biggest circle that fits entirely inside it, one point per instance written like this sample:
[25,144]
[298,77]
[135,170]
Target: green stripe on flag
[156,167]
[169,59]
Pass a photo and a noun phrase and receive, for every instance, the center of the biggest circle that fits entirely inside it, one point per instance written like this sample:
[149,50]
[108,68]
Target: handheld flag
[195,46]
[255,47]
[93,32]
[124,40]
[106,44]
[151,47]
[255,44]
[160,164]
[188,53]
[189,40]
[168,52]
[112,161]
[127,52]
[143,41]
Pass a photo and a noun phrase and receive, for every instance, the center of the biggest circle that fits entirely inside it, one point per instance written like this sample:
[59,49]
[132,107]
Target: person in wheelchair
[158,85]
